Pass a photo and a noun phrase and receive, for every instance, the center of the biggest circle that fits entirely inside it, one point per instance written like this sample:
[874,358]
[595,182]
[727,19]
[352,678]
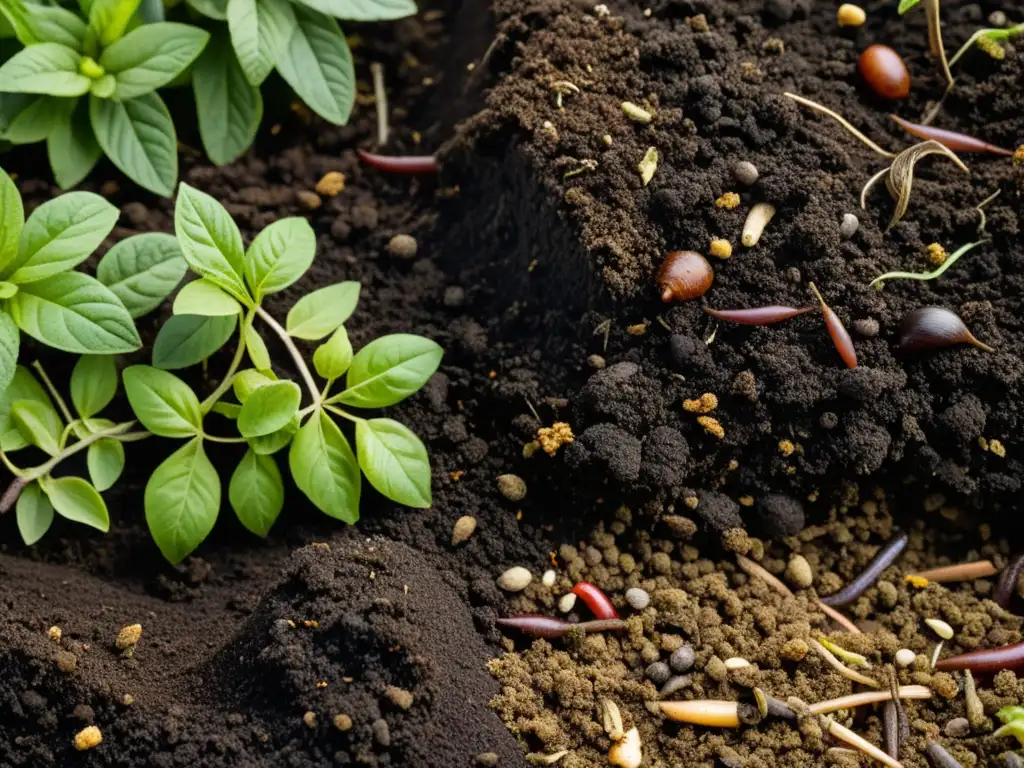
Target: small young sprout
[879,282]
[628,752]
[648,165]
[636,113]
[935,45]
[758,218]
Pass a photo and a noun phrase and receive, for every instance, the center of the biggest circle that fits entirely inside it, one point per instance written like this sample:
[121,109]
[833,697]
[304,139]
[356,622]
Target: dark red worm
[596,600]
[757,315]
[836,329]
[885,557]
[1007,586]
[958,142]
[940,757]
[408,164]
[986,662]
[550,628]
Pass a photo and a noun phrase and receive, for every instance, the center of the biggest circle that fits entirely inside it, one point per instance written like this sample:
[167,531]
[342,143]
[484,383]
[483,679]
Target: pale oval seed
[905,657]
[799,572]
[736,663]
[548,579]
[567,603]
[849,226]
[745,173]
[515,579]
[463,529]
[851,15]
[637,598]
[940,628]
[512,487]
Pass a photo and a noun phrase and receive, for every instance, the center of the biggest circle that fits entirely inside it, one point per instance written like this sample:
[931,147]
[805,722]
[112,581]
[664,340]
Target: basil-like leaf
[280,255]
[269,408]
[275,441]
[256,348]
[203,297]
[210,240]
[364,10]
[906,5]
[36,23]
[34,513]
[78,501]
[105,459]
[260,30]
[164,404]
[39,425]
[93,384]
[248,381]
[72,147]
[317,64]
[36,121]
[138,136]
[50,69]
[332,358]
[59,235]
[151,56]
[182,500]
[10,343]
[325,469]
[74,313]
[228,106]
[395,461]
[12,219]
[389,369]
[214,9]
[319,313]
[186,340]
[108,21]
[256,492]
[142,271]
[22,387]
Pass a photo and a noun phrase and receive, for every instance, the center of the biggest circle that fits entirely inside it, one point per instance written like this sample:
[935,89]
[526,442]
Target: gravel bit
[849,226]
[745,173]
[403,246]
[957,728]
[675,685]
[658,673]
[682,659]
[515,579]
[637,598]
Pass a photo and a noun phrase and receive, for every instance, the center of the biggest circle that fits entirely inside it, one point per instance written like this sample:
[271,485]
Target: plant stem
[381,100]
[229,377]
[931,8]
[11,466]
[841,120]
[344,415]
[53,391]
[12,493]
[218,439]
[296,355]
[45,468]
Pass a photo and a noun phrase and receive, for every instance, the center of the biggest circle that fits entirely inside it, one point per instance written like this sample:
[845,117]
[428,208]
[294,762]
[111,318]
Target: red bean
[885,72]
[596,600]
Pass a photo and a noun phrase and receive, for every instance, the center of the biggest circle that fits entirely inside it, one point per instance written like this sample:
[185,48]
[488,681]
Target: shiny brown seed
[684,275]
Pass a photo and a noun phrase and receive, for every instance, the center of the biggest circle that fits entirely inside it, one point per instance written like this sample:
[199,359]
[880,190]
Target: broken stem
[931,8]
[841,120]
[381,99]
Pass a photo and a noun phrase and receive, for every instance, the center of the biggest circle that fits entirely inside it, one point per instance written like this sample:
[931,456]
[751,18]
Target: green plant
[988,39]
[935,44]
[1013,723]
[87,86]
[183,496]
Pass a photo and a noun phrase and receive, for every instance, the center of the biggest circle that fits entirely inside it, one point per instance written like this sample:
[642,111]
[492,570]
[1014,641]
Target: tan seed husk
[463,529]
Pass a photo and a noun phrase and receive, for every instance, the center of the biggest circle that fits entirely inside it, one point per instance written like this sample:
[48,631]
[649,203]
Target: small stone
[400,697]
[309,719]
[512,487]
[849,226]
[866,327]
[549,577]
[332,183]
[794,650]
[745,173]
[799,572]
[87,738]
[381,732]
[637,598]
[463,529]
[596,362]
[905,657]
[682,659]
[403,246]
[997,19]
[342,722]
[658,672]
[487,759]
[515,579]
[567,602]
[957,728]
[675,685]
[66,661]
[128,636]
[309,200]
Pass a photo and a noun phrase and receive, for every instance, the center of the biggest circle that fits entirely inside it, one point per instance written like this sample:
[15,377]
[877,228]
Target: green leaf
[72,147]
[10,343]
[389,369]
[151,11]
[269,408]
[34,23]
[35,514]
[906,5]
[186,340]
[164,404]
[142,271]
[75,313]
[22,387]
[317,64]
[40,117]
[275,441]
[59,235]
[203,297]
[228,106]
[7,289]
[105,459]
[214,9]
[256,492]
[260,30]
[39,425]
[395,461]
[108,20]
[280,255]
[50,69]
[151,56]
[319,313]
[12,219]
[93,384]
[104,87]
[332,358]
[227,410]
[325,469]
[138,136]
[364,10]
[210,240]
[248,381]
[257,348]
[182,501]
[78,501]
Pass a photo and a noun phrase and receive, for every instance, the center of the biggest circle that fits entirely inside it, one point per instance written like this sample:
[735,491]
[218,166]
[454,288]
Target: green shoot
[879,282]
[993,35]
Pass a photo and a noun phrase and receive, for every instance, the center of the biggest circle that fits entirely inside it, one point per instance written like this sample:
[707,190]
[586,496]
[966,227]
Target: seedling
[267,413]
[935,45]
[879,282]
[988,40]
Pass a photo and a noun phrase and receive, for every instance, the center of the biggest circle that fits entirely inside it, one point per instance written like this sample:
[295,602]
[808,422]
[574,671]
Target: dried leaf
[648,165]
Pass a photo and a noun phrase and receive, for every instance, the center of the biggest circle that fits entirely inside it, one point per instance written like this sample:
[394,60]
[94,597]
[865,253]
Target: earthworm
[410,164]
[988,661]
[940,757]
[885,557]
[596,600]
[836,329]
[757,315]
[958,142]
[550,628]
[891,730]
[1007,585]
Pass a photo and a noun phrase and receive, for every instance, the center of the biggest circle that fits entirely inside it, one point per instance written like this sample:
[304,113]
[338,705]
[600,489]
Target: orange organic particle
[554,437]
[728,201]
[916,581]
[996,447]
[786,447]
[746,501]
[321,684]
[1018,156]
[936,254]
[456,475]
[711,426]
[554,558]
[492,375]
[704,404]
[332,183]
[519,514]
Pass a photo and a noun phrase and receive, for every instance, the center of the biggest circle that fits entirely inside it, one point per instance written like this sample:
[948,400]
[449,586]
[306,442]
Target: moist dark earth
[523,275]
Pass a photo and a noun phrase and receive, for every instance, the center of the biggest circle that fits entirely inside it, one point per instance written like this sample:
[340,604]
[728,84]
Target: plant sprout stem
[314,391]
[12,493]
[949,262]
[931,8]
[45,468]
[53,391]
[841,120]
[343,414]
[227,440]
[992,33]
[229,377]
[380,97]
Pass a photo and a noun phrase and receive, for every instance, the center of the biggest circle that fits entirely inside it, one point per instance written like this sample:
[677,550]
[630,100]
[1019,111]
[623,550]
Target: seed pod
[684,275]
[758,218]
[934,327]
[958,142]
[836,329]
[596,600]
[884,70]
[410,164]
[757,315]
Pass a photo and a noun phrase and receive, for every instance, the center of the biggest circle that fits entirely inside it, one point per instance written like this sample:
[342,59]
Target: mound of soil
[551,167]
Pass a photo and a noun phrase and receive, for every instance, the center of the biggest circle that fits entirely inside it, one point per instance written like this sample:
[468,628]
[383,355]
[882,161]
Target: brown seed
[307,199]
[684,275]
[463,529]
[403,246]
[884,70]
[342,722]
[512,487]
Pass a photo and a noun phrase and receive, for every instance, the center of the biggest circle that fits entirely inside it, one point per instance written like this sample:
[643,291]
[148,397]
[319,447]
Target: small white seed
[515,579]
[851,15]
[799,572]
[758,218]
[628,752]
[940,628]
[636,113]
[736,663]
[548,579]
[905,657]
[849,226]
[611,719]
[567,602]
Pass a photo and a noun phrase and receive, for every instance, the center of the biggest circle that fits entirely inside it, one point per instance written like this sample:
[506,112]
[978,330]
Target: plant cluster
[84,77]
[76,313]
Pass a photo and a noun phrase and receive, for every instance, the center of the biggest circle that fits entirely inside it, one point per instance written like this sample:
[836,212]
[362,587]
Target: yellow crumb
[936,254]
[746,501]
[982,443]
[916,581]
[711,426]
[87,738]
[996,447]
[728,201]
[128,636]
[790,470]
[704,404]
[54,633]
[733,465]
[638,329]
[332,183]
[691,501]
[456,475]
[721,249]
[311,623]
[786,447]
[554,437]
[1018,156]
